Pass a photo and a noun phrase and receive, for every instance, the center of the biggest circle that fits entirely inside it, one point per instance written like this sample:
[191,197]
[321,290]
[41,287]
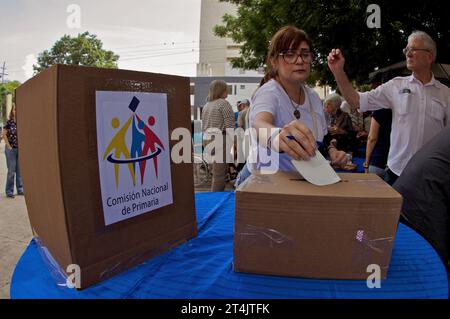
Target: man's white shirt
[419,112]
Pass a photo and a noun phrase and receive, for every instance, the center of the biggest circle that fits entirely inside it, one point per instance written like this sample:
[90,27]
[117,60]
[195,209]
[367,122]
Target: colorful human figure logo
[151,140]
[138,139]
[119,146]
[143,139]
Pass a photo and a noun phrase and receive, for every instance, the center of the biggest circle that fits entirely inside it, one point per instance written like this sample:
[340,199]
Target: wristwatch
[366,165]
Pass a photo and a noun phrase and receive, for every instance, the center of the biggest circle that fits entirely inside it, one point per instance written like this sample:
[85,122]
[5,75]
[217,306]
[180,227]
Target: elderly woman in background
[339,122]
[217,116]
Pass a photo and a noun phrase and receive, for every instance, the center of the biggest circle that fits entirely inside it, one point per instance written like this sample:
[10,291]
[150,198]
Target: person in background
[12,155]
[287,116]
[357,136]
[367,116]
[420,104]
[378,142]
[243,107]
[356,117]
[217,116]
[425,187]
[339,123]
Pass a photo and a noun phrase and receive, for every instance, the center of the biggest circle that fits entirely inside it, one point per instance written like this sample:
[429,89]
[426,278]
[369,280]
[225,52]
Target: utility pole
[3,72]
[2,75]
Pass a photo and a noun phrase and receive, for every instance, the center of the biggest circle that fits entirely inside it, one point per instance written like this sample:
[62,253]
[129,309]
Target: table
[202,268]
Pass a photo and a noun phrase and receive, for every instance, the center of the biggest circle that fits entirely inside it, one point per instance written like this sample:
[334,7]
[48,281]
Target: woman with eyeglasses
[287,116]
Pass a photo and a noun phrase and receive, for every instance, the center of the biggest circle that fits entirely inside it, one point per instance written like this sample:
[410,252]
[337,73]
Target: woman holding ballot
[286,115]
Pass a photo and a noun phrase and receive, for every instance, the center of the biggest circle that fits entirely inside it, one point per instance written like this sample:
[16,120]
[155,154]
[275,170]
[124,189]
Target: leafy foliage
[85,49]
[5,89]
[337,24]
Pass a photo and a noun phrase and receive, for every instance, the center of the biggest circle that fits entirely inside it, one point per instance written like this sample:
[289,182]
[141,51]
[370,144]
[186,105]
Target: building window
[192,89]
[242,87]
[230,89]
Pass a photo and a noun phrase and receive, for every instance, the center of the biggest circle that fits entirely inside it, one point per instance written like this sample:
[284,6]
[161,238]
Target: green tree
[5,89]
[337,24]
[85,49]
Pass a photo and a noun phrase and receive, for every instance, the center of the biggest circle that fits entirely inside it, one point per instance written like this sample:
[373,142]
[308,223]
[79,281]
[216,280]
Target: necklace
[311,110]
[296,113]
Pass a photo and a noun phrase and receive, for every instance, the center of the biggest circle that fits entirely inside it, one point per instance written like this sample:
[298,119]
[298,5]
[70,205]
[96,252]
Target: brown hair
[285,38]
[216,89]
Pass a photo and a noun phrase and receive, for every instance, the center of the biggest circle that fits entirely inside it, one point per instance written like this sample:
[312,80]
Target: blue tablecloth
[202,268]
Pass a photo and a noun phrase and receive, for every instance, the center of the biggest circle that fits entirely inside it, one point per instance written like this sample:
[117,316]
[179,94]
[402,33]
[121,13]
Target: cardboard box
[287,226]
[64,115]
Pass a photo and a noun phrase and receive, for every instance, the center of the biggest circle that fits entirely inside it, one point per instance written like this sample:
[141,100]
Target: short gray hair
[429,42]
[335,100]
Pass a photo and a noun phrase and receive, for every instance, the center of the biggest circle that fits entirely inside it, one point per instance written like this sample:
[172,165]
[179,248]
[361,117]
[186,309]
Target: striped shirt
[357,120]
[217,114]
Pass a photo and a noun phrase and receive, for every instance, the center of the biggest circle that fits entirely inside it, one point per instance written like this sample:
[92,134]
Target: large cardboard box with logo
[95,154]
[287,226]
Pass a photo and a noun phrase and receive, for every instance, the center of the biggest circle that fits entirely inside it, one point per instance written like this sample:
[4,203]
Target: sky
[160,36]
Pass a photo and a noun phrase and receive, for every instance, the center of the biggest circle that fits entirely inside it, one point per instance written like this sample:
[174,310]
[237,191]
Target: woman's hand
[337,157]
[302,147]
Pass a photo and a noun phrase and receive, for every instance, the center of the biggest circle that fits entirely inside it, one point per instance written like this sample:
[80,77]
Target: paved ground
[15,230]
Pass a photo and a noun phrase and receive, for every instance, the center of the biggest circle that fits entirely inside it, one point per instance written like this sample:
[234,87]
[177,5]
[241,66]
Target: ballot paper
[317,170]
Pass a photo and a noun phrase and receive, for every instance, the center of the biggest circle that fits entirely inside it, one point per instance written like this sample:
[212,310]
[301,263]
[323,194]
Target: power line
[161,44]
[3,73]
[159,54]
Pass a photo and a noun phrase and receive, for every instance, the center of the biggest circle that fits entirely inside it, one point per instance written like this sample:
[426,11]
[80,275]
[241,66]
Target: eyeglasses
[291,57]
[413,50]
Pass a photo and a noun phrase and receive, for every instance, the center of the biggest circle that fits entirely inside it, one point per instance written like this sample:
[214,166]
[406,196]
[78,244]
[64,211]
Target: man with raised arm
[420,104]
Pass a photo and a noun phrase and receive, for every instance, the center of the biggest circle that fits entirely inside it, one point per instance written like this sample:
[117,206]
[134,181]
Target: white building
[215,52]
[215,60]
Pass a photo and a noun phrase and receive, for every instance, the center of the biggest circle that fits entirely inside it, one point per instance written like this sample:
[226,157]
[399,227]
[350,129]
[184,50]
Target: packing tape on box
[133,85]
[372,183]
[60,277]
[57,273]
[135,260]
[367,247]
[260,236]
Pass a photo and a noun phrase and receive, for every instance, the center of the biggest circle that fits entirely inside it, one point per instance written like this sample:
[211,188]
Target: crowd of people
[400,124]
